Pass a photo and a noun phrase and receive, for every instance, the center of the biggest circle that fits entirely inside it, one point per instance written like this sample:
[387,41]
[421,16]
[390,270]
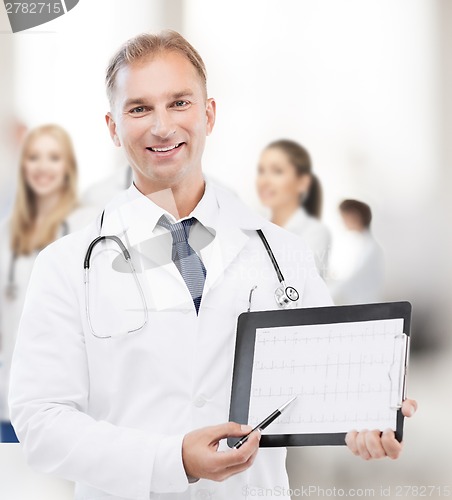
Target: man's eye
[181,104]
[137,110]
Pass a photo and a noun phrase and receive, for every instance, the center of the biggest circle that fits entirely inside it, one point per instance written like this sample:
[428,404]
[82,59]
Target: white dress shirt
[358,269]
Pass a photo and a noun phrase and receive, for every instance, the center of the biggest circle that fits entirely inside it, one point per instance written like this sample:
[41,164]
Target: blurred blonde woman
[287,186]
[45,209]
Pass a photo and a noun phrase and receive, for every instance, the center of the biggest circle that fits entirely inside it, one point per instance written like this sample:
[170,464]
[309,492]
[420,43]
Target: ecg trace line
[283,366]
[334,385]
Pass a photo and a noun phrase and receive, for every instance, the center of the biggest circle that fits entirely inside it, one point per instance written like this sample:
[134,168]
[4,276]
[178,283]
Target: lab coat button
[200,401]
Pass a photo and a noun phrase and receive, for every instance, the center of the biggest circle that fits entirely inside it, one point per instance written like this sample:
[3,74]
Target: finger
[229,429]
[390,444]
[236,469]
[373,444]
[409,407]
[237,456]
[361,444]
[350,441]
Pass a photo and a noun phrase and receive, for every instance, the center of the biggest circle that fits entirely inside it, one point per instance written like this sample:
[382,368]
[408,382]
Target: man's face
[352,221]
[161,117]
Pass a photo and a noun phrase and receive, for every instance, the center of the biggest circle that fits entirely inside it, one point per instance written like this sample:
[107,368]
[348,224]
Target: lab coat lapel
[227,244]
[126,219]
[235,224]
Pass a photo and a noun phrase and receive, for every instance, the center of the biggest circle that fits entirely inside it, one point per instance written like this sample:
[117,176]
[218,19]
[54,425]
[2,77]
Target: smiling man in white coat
[144,415]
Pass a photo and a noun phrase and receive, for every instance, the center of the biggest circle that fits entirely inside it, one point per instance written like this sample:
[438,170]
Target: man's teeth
[162,150]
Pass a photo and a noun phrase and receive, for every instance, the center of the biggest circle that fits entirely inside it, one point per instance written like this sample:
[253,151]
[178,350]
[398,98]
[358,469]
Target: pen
[265,423]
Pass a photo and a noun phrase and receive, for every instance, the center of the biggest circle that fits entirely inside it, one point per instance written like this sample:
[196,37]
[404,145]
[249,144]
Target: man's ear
[211,109]
[112,129]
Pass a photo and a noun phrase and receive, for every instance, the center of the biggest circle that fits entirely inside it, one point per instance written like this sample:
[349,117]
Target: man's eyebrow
[182,93]
[134,101]
[139,101]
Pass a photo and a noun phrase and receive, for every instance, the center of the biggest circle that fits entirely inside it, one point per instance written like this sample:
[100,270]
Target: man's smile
[164,149]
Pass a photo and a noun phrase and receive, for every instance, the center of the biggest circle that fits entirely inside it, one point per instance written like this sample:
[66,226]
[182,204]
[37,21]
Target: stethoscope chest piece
[286,296]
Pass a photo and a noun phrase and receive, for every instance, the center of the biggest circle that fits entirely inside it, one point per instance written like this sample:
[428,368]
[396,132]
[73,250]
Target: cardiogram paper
[345,376]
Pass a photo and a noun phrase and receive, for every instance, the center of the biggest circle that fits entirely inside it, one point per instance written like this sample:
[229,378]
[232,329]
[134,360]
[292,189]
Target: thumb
[409,407]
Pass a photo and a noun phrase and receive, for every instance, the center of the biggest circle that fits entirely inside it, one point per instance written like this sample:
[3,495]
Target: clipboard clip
[398,370]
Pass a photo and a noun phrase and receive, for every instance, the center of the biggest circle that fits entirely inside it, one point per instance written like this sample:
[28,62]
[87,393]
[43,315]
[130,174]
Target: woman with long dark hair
[287,185]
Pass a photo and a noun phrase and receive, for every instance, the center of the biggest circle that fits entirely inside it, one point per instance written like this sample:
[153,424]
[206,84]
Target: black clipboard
[249,322]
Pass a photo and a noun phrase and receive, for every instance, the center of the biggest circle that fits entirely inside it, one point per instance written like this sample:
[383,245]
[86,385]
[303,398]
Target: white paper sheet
[346,376]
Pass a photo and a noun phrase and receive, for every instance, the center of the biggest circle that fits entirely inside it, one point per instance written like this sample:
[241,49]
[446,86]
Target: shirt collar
[206,211]
[134,214]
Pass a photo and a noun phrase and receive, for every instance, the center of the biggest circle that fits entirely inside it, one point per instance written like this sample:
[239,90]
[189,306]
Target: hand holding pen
[265,423]
[202,459]
[200,455]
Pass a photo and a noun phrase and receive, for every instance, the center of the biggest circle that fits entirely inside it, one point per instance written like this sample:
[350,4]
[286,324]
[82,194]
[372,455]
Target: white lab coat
[11,309]
[358,269]
[316,235]
[111,413]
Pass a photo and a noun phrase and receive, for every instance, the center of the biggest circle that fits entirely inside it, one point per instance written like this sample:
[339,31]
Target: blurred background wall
[6,112]
[365,86]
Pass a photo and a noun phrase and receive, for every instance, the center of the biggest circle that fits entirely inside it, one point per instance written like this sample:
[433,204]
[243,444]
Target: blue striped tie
[186,259]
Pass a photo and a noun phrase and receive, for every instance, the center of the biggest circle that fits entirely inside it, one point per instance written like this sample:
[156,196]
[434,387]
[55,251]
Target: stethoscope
[285,296]
[11,289]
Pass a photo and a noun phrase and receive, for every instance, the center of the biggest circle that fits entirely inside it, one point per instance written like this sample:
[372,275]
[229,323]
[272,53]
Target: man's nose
[162,124]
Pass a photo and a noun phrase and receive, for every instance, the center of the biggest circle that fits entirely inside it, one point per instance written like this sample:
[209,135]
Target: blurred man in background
[360,276]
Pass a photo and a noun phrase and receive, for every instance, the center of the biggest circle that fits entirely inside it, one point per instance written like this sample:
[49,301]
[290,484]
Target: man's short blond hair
[148,45]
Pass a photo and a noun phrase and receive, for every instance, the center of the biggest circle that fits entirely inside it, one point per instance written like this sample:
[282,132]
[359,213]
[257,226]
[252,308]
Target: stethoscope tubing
[283,298]
[128,259]
[271,255]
